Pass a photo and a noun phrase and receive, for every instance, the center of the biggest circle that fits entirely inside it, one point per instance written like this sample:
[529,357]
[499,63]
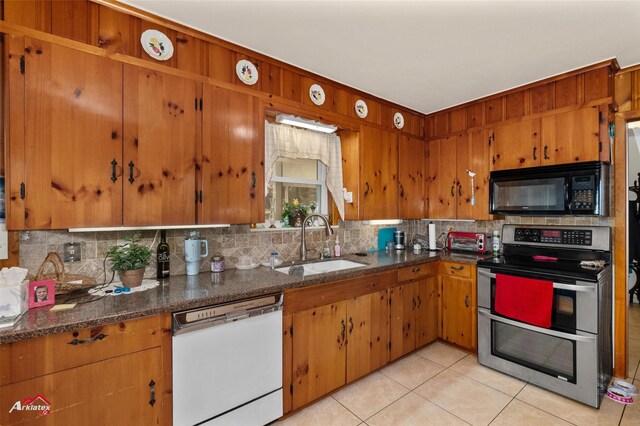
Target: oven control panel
[574,237]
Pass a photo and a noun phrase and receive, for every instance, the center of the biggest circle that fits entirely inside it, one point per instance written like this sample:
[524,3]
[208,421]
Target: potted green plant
[130,260]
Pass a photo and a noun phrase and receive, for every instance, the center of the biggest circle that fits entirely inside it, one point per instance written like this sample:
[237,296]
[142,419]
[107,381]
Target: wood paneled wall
[627,99]
[116,27]
[592,85]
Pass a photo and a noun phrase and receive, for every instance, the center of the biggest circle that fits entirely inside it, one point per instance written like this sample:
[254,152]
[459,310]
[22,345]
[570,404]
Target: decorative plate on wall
[316,93]
[247,72]
[398,120]
[361,108]
[157,45]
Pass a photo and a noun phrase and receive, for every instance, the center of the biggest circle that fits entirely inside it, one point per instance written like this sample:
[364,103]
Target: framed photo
[42,293]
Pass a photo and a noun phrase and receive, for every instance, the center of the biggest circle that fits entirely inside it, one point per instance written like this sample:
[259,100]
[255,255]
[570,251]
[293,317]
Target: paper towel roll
[432,236]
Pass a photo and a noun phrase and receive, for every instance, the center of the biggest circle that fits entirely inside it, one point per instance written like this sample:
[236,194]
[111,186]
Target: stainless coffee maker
[398,240]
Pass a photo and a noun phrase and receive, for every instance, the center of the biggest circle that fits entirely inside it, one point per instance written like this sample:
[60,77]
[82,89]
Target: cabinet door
[116,391]
[402,305]
[159,148]
[516,145]
[426,311]
[72,135]
[367,334]
[232,154]
[571,137]
[319,358]
[441,169]
[473,154]
[411,181]
[457,311]
[379,180]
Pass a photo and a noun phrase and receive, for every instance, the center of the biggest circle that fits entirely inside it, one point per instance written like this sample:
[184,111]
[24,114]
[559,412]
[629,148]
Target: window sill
[289,229]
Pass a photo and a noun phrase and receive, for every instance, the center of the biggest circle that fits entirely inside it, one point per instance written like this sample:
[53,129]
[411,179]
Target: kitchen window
[301,165]
[296,179]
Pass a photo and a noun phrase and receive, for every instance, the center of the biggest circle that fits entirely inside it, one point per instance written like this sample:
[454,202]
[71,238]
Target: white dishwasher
[227,363]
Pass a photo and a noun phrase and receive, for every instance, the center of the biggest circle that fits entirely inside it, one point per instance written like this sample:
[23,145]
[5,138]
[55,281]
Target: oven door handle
[559,334]
[559,286]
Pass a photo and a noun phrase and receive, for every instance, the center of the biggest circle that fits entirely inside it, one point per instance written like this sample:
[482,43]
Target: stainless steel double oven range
[572,357]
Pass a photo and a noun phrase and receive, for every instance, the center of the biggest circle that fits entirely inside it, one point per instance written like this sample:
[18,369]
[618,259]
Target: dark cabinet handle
[460,190]
[466,301]
[535,150]
[253,180]
[76,342]
[114,164]
[152,392]
[414,303]
[456,268]
[131,178]
[546,156]
[22,191]
[452,193]
[366,185]
[419,301]
[344,328]
[350,325]
[415,270]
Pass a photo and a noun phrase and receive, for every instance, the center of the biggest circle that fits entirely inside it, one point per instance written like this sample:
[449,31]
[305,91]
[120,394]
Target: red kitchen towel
[524,299]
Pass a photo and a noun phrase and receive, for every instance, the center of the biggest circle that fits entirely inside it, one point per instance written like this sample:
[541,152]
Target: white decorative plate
[316,93]
[247,72]
[157,45]
[361,108]
[398,120]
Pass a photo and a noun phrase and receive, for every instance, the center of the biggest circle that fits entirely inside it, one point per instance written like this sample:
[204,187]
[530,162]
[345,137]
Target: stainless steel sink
[324,266]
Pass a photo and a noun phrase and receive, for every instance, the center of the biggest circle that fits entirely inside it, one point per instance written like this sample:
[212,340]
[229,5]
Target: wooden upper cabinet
[442,182]
[571,137]
[516,145]
[411,177]
[159,148]
[72,135]
[232,157]
[473,154]
[379,169]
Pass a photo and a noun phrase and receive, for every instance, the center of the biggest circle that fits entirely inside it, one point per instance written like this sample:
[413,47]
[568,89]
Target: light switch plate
[72,252]
[348,196]
[4,242]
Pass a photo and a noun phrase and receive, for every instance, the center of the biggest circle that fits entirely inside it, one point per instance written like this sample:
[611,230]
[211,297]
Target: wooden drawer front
[462,270]
[30,358]
[411,273]
[111,392]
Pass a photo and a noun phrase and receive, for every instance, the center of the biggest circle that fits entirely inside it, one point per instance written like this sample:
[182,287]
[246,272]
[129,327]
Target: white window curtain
[282,141]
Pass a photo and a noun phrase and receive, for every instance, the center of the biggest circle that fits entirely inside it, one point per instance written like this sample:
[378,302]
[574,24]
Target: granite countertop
[182,292]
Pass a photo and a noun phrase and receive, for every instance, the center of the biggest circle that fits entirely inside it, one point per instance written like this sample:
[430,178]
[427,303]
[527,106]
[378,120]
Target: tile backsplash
[232,242]
[239,240]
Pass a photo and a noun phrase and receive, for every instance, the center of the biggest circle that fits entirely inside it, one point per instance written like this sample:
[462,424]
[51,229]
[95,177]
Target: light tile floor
[442,385]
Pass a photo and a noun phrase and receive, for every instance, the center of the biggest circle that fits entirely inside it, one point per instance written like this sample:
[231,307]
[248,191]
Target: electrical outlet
[72,252]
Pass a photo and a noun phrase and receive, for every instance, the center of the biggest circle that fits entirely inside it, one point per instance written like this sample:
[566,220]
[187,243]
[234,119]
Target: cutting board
[385,235]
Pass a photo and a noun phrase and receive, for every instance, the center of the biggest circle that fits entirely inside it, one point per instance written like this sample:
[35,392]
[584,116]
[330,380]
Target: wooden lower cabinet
[458,297]
[414,316]
[113,374]
[367,334]
[319,361]
[126,389]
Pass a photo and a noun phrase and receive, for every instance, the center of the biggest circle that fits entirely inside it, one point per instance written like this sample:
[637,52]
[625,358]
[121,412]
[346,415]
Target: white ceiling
[426,55]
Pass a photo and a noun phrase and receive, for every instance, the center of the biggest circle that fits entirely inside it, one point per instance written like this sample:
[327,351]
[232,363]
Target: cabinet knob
[415,270]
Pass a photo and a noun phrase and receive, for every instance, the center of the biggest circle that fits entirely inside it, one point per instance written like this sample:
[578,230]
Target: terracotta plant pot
[132,278]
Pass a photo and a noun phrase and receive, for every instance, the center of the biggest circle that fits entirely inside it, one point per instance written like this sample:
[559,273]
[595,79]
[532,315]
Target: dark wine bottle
[163,256]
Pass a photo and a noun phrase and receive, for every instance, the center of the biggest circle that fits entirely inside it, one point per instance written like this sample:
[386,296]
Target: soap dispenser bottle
[337,249]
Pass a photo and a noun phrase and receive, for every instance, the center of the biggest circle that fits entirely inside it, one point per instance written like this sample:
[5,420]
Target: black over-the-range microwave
[567,189]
